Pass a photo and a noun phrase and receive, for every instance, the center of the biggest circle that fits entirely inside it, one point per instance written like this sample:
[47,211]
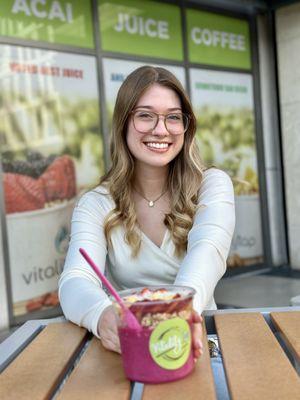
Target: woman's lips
[159,147]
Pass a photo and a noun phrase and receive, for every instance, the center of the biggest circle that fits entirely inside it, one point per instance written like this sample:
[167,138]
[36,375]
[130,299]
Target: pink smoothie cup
[161,351]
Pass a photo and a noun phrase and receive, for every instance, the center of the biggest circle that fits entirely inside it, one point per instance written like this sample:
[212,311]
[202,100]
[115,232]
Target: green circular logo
[170,343]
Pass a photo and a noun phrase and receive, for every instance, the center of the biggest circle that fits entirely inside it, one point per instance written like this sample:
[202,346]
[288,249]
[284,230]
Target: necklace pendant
[151,203]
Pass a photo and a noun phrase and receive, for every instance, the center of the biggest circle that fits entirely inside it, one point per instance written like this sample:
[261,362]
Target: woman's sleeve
[210,238]
[80,291]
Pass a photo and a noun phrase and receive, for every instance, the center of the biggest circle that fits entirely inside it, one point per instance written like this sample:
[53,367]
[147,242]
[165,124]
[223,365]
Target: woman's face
[158,147]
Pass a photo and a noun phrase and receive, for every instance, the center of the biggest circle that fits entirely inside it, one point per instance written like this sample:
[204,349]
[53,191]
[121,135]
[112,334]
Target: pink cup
[162,350]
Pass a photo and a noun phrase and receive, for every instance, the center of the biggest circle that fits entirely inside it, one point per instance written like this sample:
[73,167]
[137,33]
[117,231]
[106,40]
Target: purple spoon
[130,319]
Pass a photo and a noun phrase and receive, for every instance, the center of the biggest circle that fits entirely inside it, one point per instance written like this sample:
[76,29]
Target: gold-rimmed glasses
[176,123]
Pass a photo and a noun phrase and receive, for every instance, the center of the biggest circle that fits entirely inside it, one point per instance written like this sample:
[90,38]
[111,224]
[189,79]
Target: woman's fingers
[111,343]
[108,331]
[197,335]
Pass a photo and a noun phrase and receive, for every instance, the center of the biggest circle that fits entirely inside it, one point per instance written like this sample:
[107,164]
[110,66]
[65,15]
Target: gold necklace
[151,203]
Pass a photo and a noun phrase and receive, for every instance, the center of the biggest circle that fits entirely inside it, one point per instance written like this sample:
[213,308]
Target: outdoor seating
[259,352]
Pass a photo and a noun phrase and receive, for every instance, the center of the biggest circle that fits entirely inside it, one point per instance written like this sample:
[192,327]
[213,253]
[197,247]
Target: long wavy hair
[185,171]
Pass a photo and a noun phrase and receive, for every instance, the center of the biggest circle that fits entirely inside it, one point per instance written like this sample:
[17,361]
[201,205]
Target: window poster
[224,105]
[51,151]
[115,71]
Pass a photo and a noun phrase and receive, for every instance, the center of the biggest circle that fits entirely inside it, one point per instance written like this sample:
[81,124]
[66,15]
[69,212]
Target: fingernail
[199,344]
[195,360]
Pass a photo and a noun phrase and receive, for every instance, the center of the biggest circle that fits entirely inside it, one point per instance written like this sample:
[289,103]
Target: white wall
[288,48]
[271,142]
[4,322]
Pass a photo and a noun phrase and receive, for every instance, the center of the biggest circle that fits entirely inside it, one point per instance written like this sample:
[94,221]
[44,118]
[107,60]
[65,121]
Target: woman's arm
[210,238]
[80,291]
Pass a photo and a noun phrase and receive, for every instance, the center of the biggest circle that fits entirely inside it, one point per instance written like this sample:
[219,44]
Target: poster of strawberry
[51,152]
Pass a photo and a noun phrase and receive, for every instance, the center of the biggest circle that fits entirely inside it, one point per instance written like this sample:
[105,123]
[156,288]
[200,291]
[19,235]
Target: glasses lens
[177,123]
[144,121]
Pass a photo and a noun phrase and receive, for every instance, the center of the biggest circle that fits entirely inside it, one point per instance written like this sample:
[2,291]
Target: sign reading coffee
[218,40]
[141,28]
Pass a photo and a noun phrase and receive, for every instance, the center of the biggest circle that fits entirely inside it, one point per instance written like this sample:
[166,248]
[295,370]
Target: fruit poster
[51,151]
[115,71]
[224,105]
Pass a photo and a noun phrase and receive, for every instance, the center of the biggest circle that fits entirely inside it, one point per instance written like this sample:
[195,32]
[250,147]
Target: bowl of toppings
[161,351]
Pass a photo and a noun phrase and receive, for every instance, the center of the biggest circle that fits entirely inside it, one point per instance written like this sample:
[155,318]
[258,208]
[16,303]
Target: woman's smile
[159,147]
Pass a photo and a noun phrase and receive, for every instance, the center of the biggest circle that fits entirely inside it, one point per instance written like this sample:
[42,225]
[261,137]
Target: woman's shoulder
[215,173]
[213,176]
[97,197]
[216,181]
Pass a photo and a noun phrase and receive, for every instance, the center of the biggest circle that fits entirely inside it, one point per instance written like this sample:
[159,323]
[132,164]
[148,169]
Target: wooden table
[259,358]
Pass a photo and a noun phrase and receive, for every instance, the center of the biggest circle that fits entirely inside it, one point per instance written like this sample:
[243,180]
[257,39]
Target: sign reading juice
[143,28]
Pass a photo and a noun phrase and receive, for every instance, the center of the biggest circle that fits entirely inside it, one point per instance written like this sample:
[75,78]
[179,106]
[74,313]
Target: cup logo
[170,343]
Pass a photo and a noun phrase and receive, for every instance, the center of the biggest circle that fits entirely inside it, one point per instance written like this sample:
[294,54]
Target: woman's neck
[150,181]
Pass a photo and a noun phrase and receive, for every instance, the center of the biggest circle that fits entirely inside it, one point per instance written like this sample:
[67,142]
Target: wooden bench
[288,324]
[255,365]
[62,360]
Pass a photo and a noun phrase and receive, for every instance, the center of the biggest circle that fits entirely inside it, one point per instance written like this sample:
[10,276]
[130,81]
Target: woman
[158,217]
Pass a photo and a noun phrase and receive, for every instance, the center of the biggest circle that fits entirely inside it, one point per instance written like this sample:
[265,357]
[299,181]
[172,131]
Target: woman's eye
[144,115]
[174,117]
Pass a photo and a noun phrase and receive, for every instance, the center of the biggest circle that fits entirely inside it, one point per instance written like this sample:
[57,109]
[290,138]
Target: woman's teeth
[157,145]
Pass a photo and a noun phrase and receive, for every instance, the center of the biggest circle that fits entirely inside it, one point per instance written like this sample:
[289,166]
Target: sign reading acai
[52,21]
[38,8]
[142,28]
[215,39]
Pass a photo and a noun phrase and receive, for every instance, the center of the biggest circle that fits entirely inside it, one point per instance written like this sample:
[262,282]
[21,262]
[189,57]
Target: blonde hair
[185,171]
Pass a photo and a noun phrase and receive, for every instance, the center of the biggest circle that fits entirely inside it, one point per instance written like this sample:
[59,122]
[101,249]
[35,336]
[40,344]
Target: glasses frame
[162,115]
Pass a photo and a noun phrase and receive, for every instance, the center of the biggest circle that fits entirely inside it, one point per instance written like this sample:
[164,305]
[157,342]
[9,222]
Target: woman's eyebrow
[152,108]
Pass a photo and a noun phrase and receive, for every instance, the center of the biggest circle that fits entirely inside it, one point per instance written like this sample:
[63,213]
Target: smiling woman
[158,216]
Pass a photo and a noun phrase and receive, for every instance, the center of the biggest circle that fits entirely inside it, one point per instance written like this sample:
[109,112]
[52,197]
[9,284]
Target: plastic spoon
[130,319]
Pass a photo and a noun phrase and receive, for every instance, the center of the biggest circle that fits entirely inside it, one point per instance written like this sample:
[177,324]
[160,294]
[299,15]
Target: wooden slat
[256,367]
[35,373]
[288,324]
[98,375]
[198,385]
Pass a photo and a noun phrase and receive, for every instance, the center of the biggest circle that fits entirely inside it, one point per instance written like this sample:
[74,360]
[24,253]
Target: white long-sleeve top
[80,291]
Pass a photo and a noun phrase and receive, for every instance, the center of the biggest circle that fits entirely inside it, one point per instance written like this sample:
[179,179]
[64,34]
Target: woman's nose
[160,128]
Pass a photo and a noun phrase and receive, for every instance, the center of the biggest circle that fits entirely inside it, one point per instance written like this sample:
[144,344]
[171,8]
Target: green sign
[143,28]
[62,21]
[218,40]
[170,343]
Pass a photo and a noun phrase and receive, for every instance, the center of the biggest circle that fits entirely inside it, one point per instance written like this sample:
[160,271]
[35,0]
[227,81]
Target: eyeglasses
[146,121]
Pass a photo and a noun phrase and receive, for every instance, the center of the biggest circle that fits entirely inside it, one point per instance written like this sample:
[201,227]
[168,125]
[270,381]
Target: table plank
[288,324]
[98,375]
[255,365]
[198,385]
[37,371]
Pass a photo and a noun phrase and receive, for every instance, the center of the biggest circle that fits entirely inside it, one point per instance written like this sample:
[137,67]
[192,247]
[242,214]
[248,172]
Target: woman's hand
[108,331]
[197,335]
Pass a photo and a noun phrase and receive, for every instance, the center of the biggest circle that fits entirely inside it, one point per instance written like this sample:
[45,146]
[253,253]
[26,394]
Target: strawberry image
[58,180]
[25,193]
[22,193]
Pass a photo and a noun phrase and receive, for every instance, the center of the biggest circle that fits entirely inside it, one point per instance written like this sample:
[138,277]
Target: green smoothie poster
[223,102]
[115,71]
[145,28]
[51,151]
[56,21]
